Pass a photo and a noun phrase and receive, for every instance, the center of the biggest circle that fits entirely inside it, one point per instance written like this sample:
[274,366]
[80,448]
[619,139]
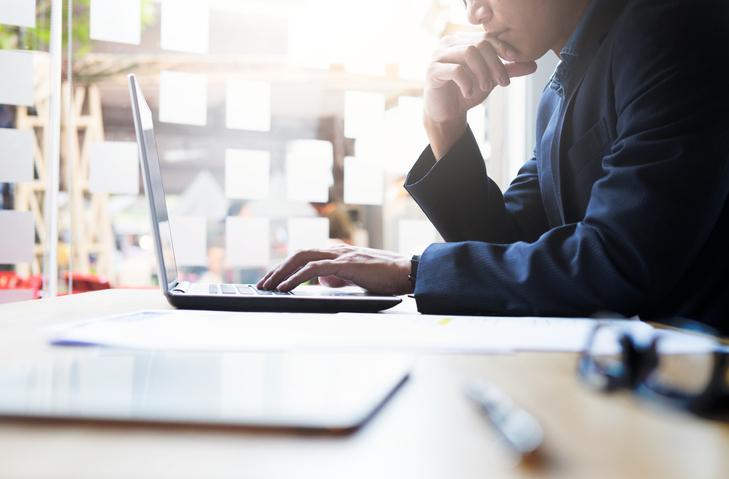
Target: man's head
[530,27]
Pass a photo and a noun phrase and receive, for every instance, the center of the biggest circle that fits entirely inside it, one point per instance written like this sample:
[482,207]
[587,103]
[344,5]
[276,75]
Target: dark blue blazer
[624,207]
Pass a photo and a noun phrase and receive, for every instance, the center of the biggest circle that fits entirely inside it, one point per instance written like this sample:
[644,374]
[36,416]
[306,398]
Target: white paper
[364,182]
[16,247]
[308,233]
[204,197]
[363,111]
[221,331]
[116,21]
[414,236]
[18,12]
[189,240]
[114,167]
[309,170]
[398,142]
[247,242]
[16,88]
[185,25]
[183,98]
[16,155]
[247,174]
[248,105]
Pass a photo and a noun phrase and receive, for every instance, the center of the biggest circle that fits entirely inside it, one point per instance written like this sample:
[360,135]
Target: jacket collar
[591,30]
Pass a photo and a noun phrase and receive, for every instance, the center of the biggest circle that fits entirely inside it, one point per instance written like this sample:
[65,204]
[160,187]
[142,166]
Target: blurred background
[281,125]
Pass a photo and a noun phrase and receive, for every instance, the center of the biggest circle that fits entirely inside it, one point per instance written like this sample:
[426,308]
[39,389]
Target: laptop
[230,297]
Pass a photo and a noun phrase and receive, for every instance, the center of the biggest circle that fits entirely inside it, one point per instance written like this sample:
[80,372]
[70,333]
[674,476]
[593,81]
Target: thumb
[333,282]
[520,69]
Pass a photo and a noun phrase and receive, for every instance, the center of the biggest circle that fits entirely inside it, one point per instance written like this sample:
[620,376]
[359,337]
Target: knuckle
[472,52]
[483,47]
[315,265]
[298,255]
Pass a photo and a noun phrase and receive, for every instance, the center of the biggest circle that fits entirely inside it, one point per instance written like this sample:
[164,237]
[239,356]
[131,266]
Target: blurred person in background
[624,206]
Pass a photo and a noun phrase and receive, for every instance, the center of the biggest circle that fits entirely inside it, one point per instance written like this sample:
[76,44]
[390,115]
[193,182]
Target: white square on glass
[309,170]
[248,105]
[18,12]
[17,80]
[189,240]
[364,182]
[115,21]
[414,236]
[16,155]
[363,111]
[183,98]
[185,25]
[247,174]
[247,242]
[16,247]
[114,167]
[476,117]
[308,233]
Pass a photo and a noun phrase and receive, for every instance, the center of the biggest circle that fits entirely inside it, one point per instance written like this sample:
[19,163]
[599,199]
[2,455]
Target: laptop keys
[244,290]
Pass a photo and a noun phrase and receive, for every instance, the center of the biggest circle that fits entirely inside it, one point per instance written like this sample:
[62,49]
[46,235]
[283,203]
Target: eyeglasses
[693,376]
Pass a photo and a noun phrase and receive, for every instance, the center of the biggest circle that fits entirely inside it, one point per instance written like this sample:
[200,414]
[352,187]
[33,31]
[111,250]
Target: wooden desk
[427,430]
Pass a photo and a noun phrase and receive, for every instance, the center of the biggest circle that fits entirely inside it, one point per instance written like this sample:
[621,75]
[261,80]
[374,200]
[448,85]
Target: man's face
[530,27]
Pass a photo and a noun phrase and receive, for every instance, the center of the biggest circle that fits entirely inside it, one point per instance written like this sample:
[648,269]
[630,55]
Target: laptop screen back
[154,186]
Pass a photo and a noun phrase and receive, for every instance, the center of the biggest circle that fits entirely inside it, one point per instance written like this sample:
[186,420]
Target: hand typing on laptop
[377,271]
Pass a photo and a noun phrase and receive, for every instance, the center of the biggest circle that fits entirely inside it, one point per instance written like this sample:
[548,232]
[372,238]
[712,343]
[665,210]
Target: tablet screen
[335,392]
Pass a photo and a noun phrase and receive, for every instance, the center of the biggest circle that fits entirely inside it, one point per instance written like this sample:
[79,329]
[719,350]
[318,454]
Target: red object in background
[83,283]
[10,280]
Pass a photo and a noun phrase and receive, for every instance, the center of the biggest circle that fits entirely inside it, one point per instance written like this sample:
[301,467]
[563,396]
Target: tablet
[303,391]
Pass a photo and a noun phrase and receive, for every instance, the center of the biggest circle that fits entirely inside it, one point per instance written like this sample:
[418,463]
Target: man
[624,207]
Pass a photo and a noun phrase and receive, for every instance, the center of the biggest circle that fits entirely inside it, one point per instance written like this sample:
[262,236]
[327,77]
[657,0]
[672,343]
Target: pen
[518,428]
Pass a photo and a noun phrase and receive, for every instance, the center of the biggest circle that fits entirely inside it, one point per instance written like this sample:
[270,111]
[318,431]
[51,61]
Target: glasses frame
[639,360]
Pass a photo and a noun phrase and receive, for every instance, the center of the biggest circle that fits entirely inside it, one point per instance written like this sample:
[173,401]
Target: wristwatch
[414,262]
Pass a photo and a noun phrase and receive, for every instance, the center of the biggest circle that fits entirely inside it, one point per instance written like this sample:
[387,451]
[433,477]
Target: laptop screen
[155,188]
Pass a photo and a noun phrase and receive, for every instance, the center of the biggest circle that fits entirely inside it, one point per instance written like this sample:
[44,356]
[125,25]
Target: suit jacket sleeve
[665,185]
[463,203]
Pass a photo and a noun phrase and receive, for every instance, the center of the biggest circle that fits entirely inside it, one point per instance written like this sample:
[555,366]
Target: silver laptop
[234,297]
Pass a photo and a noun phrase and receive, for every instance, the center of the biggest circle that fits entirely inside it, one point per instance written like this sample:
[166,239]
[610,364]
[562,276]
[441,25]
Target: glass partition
[24,134]
[281,125]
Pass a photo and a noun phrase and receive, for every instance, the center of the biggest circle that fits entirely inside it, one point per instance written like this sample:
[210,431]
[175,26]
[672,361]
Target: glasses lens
[602,363]
[686,363]
[686,374]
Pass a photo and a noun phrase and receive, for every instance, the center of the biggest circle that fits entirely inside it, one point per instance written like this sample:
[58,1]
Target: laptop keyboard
[243,290]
